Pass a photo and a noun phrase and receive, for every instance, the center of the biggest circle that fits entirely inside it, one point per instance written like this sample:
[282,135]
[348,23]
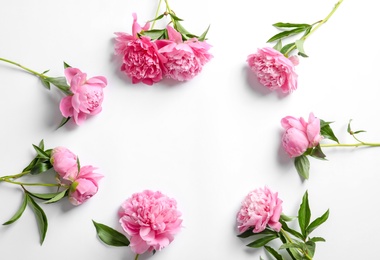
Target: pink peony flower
[151,219]
[141,60]
[84,186]
[300,135]
[64,163]
[184,59]
[260,208]
[87,95]
[274,70]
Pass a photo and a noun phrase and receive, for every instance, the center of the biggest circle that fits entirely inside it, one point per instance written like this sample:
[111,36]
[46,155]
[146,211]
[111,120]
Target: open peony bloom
[274,70]
[300,135]
[151,219]
[84,186]
[260,208]
[141,60]
[64,163]
[184,59]
[87,95]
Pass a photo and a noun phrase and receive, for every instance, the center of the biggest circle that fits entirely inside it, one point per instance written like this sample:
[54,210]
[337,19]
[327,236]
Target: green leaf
[249,233]
[294,254]
[157,18]
[154,34]
[40,167]
[287,47]
[65,65]
[40,217]
[327,132]
[41,145]
[291,231]
[316,152]
[286,218]
[175,18]
[304,214]
[60,83]
[274,253]
[310,248]
[278,45]
[203,35]
[43,196]
[181,30]
[291,25]
[353,132]
[317,222]
[41,153]
[291,245]
[110,236]
[262,241]
[57,197]
[299,45]
[64,121]
[286,34]
[45,83]
[317,239]
[19,212]
[302,165]
[30,165]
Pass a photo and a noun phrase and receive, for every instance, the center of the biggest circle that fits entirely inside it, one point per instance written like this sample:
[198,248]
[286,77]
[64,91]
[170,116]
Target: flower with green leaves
[299,245]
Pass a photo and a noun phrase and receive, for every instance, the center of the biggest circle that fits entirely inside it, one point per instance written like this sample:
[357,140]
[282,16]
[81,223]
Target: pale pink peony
[87,95]
[151,219]
[260,208]
[64,163]
[141,60]
[84,186]
[184,59]
[274,70]
[300,135]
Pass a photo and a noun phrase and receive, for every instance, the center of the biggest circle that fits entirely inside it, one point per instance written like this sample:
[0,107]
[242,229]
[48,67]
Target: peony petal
[66,106]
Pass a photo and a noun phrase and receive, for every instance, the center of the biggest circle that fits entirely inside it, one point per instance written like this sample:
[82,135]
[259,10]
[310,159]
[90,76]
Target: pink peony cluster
[274,70]
[83,182]
[149,61]
[260,208]
[300,135]
[151,219]
[87,95]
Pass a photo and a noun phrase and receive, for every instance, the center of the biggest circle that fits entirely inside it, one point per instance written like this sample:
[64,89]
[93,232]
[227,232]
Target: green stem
[318,24]
[167,7]
[32,184]
[137,256]
[291,241]
[16,176]
[157,11]
[350,145]
[24,68]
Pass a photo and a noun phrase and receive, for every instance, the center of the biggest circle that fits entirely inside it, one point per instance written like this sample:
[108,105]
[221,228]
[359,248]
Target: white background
[207,142]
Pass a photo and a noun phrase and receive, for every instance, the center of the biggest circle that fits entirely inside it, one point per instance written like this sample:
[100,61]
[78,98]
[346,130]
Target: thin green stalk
[15,176]
[24,68]
[291,241]
[137,256]
[157,11]
[32,184]
[350,145]
[319,23]
[167,7]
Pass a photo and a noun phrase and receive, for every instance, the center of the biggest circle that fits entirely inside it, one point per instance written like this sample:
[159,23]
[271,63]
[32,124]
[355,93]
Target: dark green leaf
[180,28]
[317,222]
[317,152]
[30,165]
[157,18]
[110,236]
[57,197]
[317,239]
[294,254]
[41,145]
[327,132]
[290,230]
[175,18]
[310,248]
[249,233]
[302,165]
[46,71]
[274,253]
[291,25]
[40,167]
[286,34]
[154,34]
[304,214]
[44,196]
[65,65]
[278,45]
[45,83]
[203,35]
[262,241]
[41,153]
[64,121]
[287,47]
[60,83]
[291,245]
[19,212]
[40,217]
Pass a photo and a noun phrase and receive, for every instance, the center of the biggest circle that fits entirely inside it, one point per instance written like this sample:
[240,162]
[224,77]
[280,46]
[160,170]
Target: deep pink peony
[87,95]
[84,186]
[184,59]
[151,219]
[300,135]
[260,208]
[274,70]
[141,60]
[64,163]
